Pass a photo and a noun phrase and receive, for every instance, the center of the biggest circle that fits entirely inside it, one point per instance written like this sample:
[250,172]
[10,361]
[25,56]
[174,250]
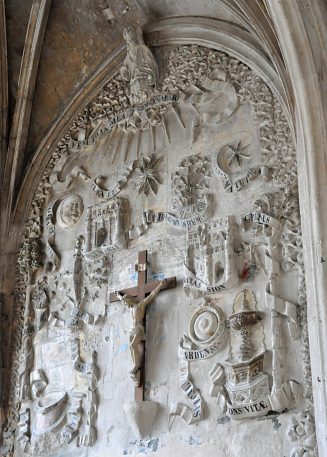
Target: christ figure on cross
[137,334]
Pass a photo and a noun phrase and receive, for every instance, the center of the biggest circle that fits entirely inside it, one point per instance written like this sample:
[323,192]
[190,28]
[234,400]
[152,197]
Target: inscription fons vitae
[162,283]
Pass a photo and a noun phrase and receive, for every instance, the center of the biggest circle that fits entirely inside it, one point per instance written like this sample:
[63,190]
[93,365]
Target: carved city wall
[186,154]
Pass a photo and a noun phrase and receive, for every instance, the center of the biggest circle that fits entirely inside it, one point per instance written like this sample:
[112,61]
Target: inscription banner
[192,281]
[123,116]
[50,225]
[257,408]
[154,217]
[261,218]
[194,414]
[111,193]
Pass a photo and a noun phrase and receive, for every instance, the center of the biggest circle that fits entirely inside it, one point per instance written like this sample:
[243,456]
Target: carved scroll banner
[73,320]
[278,402]
[240,183]
[200,353]
[50,225]
[123,116]
[201,210]
[179,409]
[207,336]
[281,399]
[74,417]
[192,281]
[89,437]
[111,193]
[260,218]
[190,415]
[285,308]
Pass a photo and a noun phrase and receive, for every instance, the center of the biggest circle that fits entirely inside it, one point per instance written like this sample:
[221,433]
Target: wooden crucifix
[138,298]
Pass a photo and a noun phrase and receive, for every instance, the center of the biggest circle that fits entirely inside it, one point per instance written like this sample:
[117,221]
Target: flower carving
[146,176]
[191,181]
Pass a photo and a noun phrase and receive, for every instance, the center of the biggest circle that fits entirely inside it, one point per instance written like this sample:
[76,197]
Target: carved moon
[206,325]
[69,210]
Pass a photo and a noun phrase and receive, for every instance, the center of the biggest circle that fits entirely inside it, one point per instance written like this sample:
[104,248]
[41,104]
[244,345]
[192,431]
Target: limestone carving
[246,384]
[198,87]
[99,271]
[211,262]
[141,416]
[207,333]
[40,303]
[242,319]
[139,69]
[207,337]
[271,225]
[53,262]
[106,227]
[26,357]
[146,176]
[191,186]
[214,98]
[70,210]
[230,164]
[206,325]
[195,413]
[49,411]
[302,433]
[24,431]
[250,261]
[74,414]
[101,192]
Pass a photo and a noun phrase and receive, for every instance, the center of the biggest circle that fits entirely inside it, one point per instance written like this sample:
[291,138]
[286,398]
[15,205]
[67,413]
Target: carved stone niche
[106,228]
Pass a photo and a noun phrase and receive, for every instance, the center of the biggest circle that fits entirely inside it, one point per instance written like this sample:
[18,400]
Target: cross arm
[148,288]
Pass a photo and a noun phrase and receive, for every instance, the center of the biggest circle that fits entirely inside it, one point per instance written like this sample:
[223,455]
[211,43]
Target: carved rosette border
[185,65]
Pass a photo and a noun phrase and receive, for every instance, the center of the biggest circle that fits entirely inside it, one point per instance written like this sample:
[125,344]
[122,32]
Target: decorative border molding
[311,145]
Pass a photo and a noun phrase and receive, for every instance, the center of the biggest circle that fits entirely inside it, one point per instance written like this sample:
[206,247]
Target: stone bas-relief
[228,346]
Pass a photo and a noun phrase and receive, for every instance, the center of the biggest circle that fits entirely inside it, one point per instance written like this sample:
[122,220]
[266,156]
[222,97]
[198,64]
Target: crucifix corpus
[138,298]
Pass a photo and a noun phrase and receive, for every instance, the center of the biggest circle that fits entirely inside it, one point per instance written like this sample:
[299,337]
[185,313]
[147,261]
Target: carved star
[238,154]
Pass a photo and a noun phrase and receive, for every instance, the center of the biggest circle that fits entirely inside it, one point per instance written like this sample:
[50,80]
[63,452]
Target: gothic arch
[309,133]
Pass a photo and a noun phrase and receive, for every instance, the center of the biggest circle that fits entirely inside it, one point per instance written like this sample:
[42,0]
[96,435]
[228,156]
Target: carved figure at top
[139,68]
[70,210]
[137,333]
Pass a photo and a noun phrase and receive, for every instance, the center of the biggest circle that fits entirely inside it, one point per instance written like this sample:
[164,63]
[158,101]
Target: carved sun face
[70,210]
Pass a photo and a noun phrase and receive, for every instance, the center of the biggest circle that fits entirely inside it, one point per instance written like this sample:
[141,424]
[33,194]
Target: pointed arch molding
[306,62]
[173,31]
[311,138]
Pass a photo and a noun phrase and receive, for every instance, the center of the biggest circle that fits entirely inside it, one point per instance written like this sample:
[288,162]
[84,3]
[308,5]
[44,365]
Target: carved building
[163,228]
